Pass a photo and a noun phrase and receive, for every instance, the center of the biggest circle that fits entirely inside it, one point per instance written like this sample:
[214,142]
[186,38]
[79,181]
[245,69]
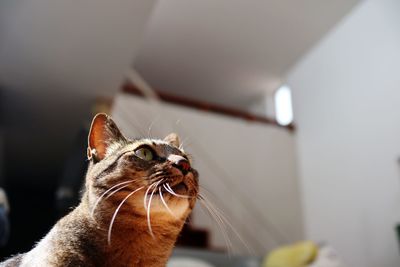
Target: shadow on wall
[37,137]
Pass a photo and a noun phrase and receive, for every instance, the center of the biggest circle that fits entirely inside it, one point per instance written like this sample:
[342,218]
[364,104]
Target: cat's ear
[172,139]
[103,132]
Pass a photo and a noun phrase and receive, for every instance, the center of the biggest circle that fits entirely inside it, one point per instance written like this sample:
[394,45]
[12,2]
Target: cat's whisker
[203,188]
[211,208]
[183,142]
[112,193]
[171,191]
[116,212]
[221,226]
[145,195]
[157,174]
[165,203]
[219,215]
[254,237]
[149,207]
[106,192]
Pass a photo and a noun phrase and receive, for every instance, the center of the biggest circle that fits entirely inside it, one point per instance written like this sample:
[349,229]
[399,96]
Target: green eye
[144,153]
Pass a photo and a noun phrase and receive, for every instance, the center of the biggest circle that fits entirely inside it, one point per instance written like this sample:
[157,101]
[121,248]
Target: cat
[138,194]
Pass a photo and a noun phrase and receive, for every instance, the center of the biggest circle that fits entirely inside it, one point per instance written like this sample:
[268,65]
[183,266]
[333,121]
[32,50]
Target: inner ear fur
[103,132]
[172,139]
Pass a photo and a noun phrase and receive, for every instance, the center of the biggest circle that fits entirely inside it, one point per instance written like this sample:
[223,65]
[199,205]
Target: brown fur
[81,237]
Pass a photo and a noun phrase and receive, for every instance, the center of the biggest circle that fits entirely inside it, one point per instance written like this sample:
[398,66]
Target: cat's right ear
[103,132]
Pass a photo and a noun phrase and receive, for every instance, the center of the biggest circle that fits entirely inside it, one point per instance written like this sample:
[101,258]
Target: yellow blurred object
[296,255]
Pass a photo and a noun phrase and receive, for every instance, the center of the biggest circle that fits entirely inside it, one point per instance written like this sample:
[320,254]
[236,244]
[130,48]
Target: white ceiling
[56,57]
[231,51]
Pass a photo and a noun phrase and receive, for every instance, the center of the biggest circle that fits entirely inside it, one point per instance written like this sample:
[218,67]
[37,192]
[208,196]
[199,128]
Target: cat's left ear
[172,139]
[103,133]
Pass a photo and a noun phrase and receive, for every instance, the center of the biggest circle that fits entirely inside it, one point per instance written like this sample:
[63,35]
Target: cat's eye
[144,153]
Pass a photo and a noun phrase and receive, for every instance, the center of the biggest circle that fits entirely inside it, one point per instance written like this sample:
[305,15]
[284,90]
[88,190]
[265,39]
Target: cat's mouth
[180,189]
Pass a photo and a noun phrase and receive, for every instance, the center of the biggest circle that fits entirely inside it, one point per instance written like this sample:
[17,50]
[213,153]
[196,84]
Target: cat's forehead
[160,146]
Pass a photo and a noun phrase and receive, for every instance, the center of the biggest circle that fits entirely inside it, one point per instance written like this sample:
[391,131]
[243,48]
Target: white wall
[347,108]
[234,158]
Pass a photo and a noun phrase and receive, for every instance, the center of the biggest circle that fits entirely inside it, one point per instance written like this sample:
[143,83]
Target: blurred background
[289,108]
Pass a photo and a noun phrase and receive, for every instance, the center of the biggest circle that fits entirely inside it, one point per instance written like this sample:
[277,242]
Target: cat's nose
[180,163]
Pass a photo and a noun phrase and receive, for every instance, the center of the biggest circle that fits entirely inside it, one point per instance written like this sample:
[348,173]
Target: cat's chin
[180,188]
[172,208]
[177,209]
[168,206]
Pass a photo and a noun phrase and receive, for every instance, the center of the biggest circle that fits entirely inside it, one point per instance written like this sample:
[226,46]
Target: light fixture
[283,105]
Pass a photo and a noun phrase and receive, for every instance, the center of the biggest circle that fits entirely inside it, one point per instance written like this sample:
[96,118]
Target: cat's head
[151,180]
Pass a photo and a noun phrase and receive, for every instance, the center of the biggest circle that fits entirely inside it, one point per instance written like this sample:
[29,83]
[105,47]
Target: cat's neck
[78,235]
[140,249]
[131,243]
